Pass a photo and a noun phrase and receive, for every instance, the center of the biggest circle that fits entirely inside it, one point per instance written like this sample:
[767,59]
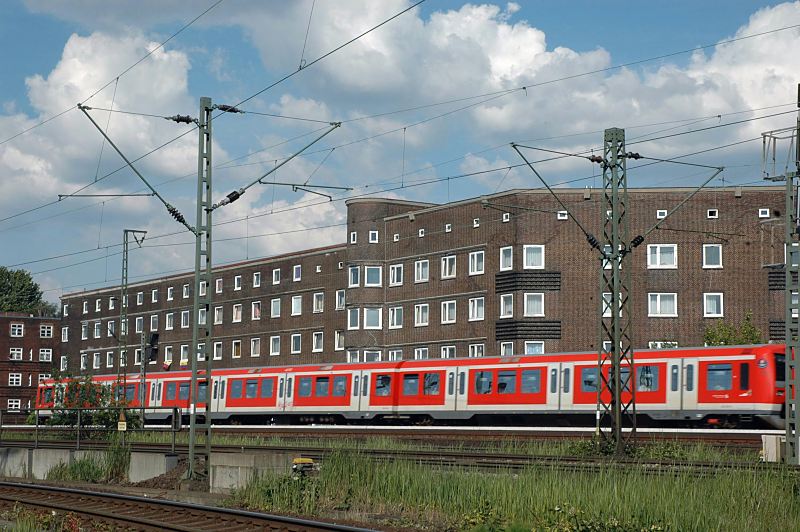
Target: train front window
[780,367]
[506,382]
[719,377]
[383,385]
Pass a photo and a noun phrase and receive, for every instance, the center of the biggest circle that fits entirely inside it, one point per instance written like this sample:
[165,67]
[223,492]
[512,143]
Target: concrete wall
[14,462]
[145,466]
[235,470]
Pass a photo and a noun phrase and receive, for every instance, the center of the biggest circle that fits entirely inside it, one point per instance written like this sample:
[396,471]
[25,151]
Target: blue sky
[63,51]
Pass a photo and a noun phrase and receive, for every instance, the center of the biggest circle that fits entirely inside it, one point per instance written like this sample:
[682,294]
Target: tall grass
[111,466]
[408,495]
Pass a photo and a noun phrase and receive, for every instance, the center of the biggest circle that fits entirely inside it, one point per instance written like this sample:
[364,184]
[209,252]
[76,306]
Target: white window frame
[169,321]
[396,275]
[97,359]
[448,267]
[17,330]
[236,313]
[276,276]
[477,309]
[109,359]
[531,343]
[394,355]
[45,331]
[562,215]
[419,266]
[340,299]
[236,346]
[338,341]
[317,341]
[275,307]
[651,265]
[98,305]
[216,353]
[256,279]
[712,214]
[353,237]
[658,297]
[185,319]
[184,291]
[154,322]
[706,313]
[274,342]
[447,351]
[15,353]
[662,344]
[503,299]
[202,316]
[139,324]
[353,276]
[318,302]
[661,214]
[15,379]
[218,285]
[139,298]
[506,349]
[297,272]
[525,265]
[395,317]
[297,305]
[367,269]
[706,265]
[763,212]
[506,265]
[64,363]
[65,310]
[476,350]
[473,262]
[84,331]
[84,361]
[373,311]
[170,293]
[65,334]
[85,307]
[219,315]
[353,319]
[299,338]
[527,311]
[421,353]
[237,282]
[255,310]
[154,295]
[418,315]
[167,354]
[373,237]
[446,308]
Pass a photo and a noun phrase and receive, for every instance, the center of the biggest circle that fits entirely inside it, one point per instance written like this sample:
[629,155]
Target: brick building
[503,274]
[28,344]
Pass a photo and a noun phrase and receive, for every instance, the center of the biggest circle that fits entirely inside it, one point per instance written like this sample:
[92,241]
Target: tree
[722,333]
[20,293]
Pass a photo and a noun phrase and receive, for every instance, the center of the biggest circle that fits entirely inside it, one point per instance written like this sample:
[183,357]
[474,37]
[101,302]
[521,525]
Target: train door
[688,384]
[451,390]
[674,384]
[285,391]
[559,386]
[461,388]
[361,390]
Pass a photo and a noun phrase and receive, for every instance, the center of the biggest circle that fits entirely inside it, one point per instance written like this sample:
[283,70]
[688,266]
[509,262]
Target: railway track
[125,512]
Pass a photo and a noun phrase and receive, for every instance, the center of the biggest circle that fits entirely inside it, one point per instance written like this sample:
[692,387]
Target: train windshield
[780,367]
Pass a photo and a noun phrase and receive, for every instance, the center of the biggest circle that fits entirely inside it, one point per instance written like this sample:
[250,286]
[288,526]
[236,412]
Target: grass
[404,495]
[112,466]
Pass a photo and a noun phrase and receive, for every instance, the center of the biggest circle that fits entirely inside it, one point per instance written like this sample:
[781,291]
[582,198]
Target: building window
[140,298]
[276,276]
[476,350]
[476,263]
[255,310]
[533,257]
[506,217]
[216,354]
[154,322]
[237,282]
[448,228]
[297,272]
[201,316]
[275,308]
[296,344]
[318,302]
[713,305]
[84,331]
[353,276]
[421,271]
[297,305]
[65,334]
[395,355]
[661,214]
[111,328]
[352,319]
[97,360]
[112,303]
[109,359]
[353,237]
[15,353]
[236,349]
[167,354]
[154,295]
[169,321]
[395,317]
[84,361]
[316,342]
[421,315]
[448,312]
[14,404]
[421,353]
[607,307]
[712,256]
[534,304]
[64,363]
[562,215]
[237,313]
[662,256]
[218,315]
[506,349]
[65,310]
[476,309]
[318,268]
[218,286]
[274,346]
[139,325]
[534,348]
[448,267]
[85,307]
[421,233]
[373,237]
[123,327]
[256,279]
[448,351]
[185,319]
[373,275]
[507,305]
[338,340]
[170,293]
[395,275]
[98,305]
[340,300]
[373,318]
[396,237]
[712,214]
[662,305]
[45,331]
[15,379]
[185,291]
[17,330]
[663,344]
[372,356]
[506,258]
[763,213]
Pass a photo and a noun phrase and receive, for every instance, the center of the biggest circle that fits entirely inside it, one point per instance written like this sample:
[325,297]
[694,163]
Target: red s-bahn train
[731,386]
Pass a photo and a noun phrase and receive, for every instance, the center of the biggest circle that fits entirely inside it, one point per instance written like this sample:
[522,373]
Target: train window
[589,379]
[251,389]
[674,377]
[323,385]
[289,387]
[183,391]
[267,386]
[280,388]
[365,385]
[690,377]
[566,380]
[355,386]
[171,390]
[483,382]
[507,382]
[647,378]
[340,386]
[431,384]
[222,389]
[411,384]
[462,381]
[214,390]
[383,385]
[236,389]
[744,376]
[158,391]
[304,387]
[719,377]
[153,391]
[553,380]
[48,395]
[130,392]
[451,381]
[202,390]
[531,381]
[780,367]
